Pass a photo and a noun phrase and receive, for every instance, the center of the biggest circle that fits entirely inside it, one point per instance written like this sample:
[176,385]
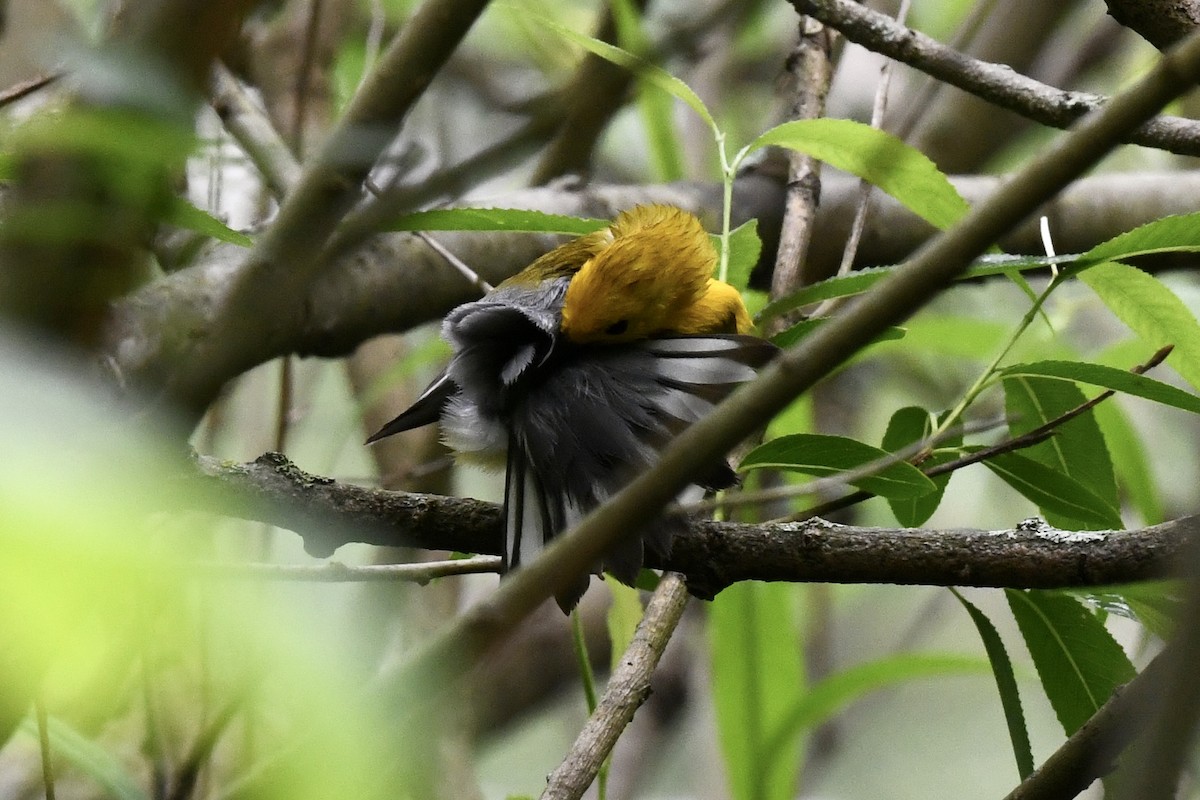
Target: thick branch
[995,83]
[712,555]
[396,283]
[262,300]
[1158,22]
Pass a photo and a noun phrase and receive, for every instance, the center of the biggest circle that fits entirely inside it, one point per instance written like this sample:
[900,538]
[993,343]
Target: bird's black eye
[617,328]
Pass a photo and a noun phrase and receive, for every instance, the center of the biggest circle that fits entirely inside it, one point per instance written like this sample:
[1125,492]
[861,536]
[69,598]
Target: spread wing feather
[603,416]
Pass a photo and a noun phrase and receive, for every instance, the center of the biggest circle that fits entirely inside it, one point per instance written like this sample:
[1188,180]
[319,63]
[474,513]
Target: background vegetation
[223,231]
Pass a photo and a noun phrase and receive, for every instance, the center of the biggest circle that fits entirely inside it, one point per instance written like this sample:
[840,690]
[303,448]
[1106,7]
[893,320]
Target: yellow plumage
[648,274]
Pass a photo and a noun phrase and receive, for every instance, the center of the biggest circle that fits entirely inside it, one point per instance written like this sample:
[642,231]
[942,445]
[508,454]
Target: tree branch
[263,300]
[1158,22]
[1092,750]
[362,294]
[627,690]
[712,555]
[995,83]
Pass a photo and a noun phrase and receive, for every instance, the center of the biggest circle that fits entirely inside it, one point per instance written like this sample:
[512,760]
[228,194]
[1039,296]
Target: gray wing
[603,415]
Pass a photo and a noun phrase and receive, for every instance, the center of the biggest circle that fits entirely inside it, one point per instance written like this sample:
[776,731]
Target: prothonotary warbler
[574,373]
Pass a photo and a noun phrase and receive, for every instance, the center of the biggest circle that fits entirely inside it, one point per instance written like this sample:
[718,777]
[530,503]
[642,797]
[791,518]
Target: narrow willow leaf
[1173,234]
[789,336]
[757,673]
[1006,684]
[822,455]
[1134,475]
[1152,311]
[1076,449]
[877,157]
[495,219]
[1077,659]
[861,280]
[1054,492]
[1154,604]
[622,619]
[908,425]
[1109,378]
[654,107]
[90,758]
[831,696]
[183,214]
[645,70]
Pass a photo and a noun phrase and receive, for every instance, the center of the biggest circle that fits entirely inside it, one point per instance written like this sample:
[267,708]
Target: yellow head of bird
[654,276]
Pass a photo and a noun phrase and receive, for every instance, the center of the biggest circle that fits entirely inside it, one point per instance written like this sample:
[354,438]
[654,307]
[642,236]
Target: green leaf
[833,694]
[1132,465]
[908,425]
[1006,684]
[1054,492]
[1076,449]
[496,219]
[756,674]
[90,758]
[645,70]
[878,157]
[1109,378]
[623,617]
[1154,604]
[1152,311]
[744,250]
[822,455]
[793,334]
[1173,234]
[654,107]
[1077,659]
[183,214]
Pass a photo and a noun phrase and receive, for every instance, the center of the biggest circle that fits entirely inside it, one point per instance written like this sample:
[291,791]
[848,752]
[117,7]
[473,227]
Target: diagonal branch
[265,299]
[994,83]
[627,690]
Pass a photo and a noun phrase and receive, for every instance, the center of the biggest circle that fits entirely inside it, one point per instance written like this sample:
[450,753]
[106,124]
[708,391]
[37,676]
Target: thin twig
[336,572]
[23,89]
[627,689]
[924,95]
[390,202]
[809,72]
[253,130]
[859,223]
[1027,439]
[841,479]
[476,280]
[304,76]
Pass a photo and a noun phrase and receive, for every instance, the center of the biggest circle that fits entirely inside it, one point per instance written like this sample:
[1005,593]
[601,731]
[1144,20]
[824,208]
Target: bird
[573,374]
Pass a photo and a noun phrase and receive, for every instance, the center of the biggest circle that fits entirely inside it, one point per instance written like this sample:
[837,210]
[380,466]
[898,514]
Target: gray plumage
[573,423]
